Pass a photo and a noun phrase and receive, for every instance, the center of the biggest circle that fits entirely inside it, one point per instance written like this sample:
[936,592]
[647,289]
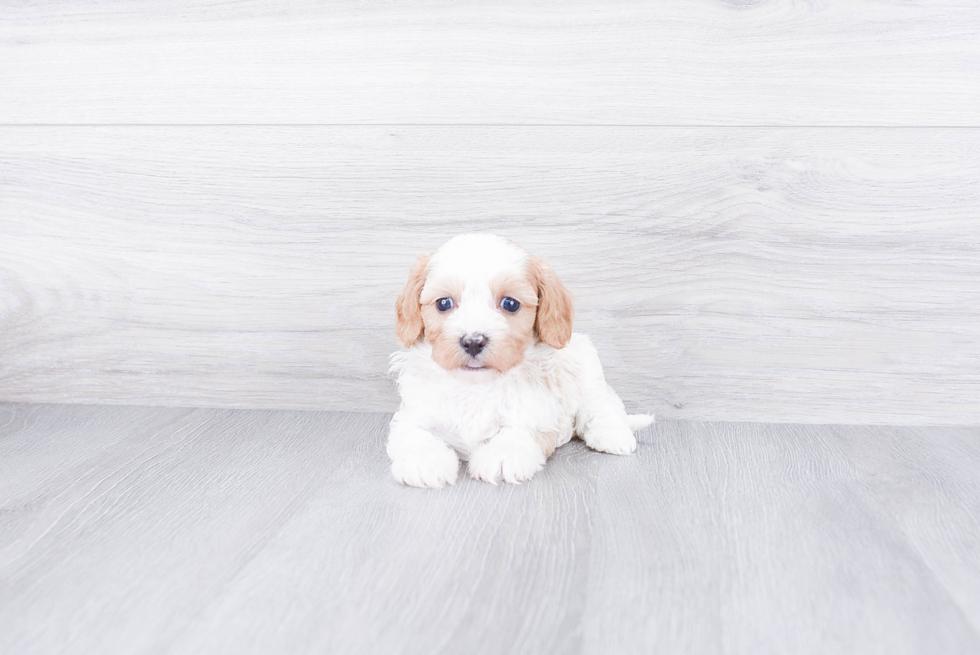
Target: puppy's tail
[638,421]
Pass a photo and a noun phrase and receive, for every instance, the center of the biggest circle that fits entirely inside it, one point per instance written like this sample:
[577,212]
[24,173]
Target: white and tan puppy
[491,371]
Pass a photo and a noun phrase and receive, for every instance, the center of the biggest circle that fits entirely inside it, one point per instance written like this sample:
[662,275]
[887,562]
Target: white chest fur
[467,408]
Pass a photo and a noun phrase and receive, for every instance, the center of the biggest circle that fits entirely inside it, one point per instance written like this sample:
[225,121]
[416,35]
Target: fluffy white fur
[505,423]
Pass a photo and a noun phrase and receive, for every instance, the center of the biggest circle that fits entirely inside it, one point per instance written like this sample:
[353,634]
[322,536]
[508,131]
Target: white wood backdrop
[728,62]
[807,275]
[712,179]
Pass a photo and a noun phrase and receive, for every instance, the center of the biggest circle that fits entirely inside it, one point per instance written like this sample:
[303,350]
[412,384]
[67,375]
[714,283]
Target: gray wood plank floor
[160,530]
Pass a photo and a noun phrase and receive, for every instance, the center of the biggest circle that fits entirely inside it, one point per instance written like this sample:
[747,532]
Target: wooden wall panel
[670,62]
[808,275]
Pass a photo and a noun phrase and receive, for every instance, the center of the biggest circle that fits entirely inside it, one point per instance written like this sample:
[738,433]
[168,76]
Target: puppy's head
[480,301]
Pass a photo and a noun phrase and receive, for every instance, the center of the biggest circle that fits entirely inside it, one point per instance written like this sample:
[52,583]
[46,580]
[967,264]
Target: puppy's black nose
[473,343]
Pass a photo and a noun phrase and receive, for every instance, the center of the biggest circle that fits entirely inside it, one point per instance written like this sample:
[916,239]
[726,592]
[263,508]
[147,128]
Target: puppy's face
[480,301]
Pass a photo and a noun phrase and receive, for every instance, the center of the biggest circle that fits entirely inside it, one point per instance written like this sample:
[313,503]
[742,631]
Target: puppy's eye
[509,305]
[444,304]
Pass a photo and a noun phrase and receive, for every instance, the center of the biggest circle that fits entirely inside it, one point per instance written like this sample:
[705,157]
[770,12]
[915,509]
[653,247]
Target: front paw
[512,461]
[612,436]
[434,466]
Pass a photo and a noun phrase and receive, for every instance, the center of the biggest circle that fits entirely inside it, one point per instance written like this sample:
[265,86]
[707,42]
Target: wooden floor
[150,530]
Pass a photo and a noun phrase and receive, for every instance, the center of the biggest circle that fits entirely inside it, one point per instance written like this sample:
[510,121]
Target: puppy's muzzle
[473,344]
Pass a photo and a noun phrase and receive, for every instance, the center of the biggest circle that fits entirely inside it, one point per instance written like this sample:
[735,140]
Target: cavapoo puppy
[491,371]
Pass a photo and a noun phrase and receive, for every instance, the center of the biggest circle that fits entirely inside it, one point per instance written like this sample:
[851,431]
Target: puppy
[491,371]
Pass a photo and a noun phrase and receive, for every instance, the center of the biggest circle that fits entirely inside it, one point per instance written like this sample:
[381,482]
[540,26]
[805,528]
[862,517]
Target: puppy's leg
[601,420]
[418,457]
[512,455]
[603,424]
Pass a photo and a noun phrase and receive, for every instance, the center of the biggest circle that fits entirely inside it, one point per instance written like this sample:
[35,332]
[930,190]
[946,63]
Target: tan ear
[408,310]
[556,311]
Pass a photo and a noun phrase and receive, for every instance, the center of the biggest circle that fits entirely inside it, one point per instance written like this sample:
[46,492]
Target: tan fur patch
[556,310]
[445,347]
[522,288]
[408,315]
[508,352]
[444,289]
[547,441]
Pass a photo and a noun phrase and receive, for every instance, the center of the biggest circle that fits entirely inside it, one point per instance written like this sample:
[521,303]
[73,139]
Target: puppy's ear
[556,312]
[408,310]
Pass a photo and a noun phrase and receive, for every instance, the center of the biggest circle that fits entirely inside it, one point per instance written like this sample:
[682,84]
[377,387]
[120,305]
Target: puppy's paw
[506,460]
[610,436]
[430,466]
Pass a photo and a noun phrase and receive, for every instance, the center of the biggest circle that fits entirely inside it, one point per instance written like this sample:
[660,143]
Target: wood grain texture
[763,275]
[929,479]
[248,531]
[765,538]
[717,62]
[121,546]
